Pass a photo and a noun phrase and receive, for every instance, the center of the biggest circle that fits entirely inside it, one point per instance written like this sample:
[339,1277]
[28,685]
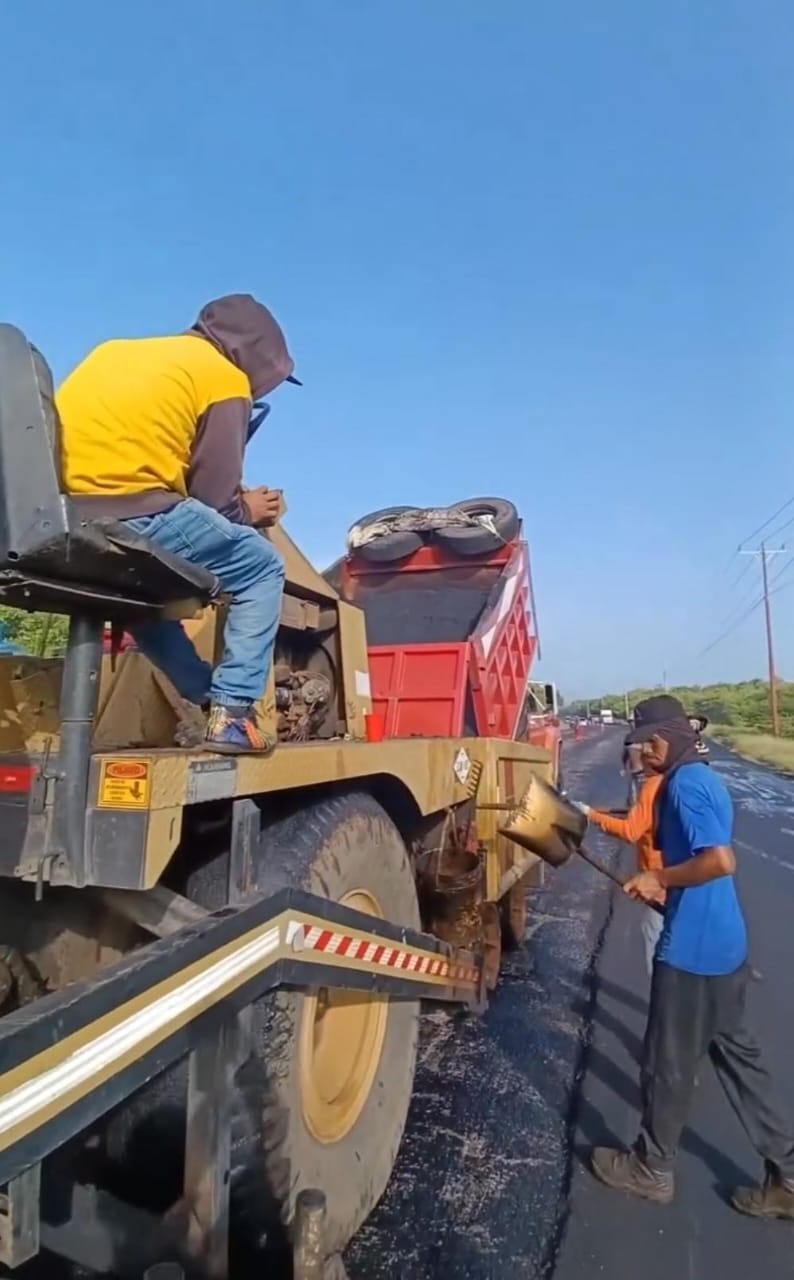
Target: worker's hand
[263,504]
[646,887]
[582,807]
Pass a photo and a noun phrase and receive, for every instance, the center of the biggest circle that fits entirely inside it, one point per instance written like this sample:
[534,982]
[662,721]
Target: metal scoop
[548,825]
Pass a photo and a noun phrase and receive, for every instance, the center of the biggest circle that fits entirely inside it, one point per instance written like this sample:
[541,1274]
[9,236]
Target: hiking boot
[233,731]
[625,1171]
[774,1198]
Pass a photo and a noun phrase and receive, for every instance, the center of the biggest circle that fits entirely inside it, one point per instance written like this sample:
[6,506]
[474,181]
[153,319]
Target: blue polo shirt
[704,930]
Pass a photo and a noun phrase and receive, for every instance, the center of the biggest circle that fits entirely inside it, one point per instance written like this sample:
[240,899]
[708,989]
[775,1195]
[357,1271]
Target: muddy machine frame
[68,1058]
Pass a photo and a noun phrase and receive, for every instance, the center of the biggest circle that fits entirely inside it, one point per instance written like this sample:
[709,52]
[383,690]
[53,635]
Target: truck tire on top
[324,1099]
[476,539]
[395,545]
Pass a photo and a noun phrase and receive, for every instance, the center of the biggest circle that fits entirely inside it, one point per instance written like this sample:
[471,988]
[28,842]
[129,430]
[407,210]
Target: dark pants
[690,1017]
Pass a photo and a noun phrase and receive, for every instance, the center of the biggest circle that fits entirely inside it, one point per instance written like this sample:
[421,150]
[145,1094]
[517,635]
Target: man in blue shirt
[699,981]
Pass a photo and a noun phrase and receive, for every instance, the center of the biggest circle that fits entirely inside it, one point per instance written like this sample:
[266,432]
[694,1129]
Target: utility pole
[765,552]
[626,704]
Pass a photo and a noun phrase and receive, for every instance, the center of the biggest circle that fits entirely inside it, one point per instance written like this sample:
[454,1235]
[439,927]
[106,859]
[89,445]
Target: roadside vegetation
[738,715]
[41,634]
[778,752]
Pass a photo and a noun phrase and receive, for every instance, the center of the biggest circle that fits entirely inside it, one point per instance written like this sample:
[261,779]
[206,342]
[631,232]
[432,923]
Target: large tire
[392,546]
[395,545]
[475,539]
[334,847]
[513,912]
[373,517]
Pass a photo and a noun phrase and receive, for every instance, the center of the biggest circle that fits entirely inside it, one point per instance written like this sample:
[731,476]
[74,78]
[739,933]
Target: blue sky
[537,248]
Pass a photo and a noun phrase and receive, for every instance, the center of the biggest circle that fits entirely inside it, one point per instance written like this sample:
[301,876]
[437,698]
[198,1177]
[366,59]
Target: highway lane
[699,1236]
[490,1182]
[481,1184]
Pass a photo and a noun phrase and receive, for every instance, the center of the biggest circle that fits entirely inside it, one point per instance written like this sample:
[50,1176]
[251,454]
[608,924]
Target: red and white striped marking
[309,937]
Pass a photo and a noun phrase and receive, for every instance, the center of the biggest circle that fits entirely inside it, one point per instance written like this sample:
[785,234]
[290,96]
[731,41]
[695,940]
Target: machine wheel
[475,539]
[325,1098]
[492,936]
[513,908]
[395,545]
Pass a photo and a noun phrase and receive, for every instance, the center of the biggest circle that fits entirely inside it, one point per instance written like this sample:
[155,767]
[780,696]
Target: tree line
[41,634]
[744,705]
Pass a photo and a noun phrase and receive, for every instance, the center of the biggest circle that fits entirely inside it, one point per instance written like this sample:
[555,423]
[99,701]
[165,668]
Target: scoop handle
[614,876]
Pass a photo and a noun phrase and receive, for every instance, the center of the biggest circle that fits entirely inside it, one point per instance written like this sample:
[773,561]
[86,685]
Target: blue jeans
[251,571]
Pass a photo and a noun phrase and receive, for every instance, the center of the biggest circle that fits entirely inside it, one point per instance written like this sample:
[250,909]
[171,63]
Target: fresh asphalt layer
[490,1181]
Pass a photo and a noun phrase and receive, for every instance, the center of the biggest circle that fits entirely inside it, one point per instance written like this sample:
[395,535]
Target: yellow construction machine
[211,968]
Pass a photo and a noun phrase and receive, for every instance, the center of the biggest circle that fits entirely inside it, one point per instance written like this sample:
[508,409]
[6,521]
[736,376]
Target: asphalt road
[490,1181]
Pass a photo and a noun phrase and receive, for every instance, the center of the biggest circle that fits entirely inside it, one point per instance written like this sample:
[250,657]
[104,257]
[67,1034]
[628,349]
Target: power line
[763,526]
[763,553]
[752,608]
[743,602]
[774,532]
[729,630]
[746,567]
[784,568]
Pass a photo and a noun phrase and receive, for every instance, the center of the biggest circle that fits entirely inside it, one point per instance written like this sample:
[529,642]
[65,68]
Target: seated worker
[153,432]
[638,828]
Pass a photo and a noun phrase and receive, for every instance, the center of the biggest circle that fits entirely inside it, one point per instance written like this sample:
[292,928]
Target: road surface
[490,1181]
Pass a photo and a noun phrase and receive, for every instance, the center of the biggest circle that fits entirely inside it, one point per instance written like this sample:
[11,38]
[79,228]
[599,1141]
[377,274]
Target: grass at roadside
[778,752]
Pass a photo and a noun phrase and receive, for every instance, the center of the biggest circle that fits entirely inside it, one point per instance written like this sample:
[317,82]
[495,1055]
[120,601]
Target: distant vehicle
[699,724]
[606,716]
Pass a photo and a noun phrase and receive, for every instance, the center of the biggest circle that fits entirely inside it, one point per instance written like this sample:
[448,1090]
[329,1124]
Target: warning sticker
[461,766]
[124,784]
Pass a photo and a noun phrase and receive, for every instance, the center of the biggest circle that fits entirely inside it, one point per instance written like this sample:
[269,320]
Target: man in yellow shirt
[153,432]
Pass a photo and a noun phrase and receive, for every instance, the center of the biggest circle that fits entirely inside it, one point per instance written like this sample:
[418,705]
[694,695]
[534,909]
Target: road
[490,1181]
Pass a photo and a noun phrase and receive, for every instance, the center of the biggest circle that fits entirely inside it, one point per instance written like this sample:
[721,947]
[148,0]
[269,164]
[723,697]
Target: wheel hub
[341,1040]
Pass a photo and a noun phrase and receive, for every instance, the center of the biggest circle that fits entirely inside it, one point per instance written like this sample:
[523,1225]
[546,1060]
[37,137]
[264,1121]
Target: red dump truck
[451,623]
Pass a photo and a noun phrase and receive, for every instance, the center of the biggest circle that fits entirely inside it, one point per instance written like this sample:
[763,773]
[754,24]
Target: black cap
[651,713]
[296,382]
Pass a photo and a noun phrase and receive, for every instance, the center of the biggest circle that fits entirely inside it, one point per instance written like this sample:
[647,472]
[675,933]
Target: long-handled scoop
[548,825]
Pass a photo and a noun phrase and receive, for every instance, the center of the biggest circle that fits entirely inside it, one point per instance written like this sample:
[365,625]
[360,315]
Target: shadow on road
[594,1129]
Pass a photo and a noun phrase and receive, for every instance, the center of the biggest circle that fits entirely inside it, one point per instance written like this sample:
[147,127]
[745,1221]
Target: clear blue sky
[539,248]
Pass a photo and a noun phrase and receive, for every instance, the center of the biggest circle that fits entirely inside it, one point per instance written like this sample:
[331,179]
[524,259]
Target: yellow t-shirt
[130,412]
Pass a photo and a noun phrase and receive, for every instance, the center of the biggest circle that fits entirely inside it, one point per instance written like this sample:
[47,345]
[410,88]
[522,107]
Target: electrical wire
[751,610]
[763,526]
[729,630]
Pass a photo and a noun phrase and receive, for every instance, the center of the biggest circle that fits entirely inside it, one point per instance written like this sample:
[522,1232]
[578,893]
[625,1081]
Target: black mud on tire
[332,847]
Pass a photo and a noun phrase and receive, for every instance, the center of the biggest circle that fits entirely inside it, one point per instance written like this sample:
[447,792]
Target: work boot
[774,1198]
[191,725]
[234,731]
[625,1171]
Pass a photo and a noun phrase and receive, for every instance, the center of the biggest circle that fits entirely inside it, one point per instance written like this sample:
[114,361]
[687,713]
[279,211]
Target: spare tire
[475,539]
[372,517]
[395,545]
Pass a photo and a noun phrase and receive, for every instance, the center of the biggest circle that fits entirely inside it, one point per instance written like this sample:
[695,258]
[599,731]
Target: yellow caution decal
[124,784]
